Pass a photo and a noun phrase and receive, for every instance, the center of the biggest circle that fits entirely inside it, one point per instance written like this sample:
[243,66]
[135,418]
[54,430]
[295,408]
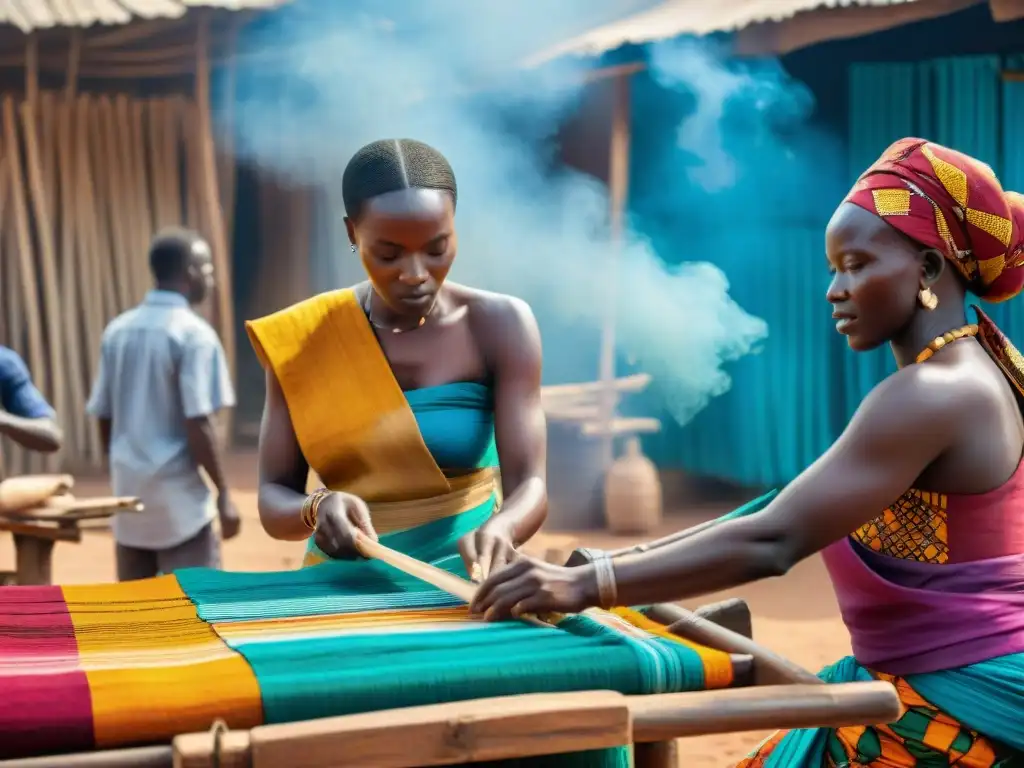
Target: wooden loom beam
[504,727]
[518,726]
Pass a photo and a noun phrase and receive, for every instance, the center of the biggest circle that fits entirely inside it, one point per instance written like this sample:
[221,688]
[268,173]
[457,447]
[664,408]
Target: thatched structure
[105,136]
[763,27]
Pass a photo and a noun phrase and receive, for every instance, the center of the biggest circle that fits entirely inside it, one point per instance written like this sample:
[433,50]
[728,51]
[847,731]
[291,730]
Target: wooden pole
[28,288]
[226,165]
[450,583]
[44,226]
[95,256]
[212,199]
[618,186]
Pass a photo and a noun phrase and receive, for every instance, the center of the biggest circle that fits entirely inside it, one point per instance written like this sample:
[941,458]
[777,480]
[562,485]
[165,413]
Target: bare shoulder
[499,313]
[935,400]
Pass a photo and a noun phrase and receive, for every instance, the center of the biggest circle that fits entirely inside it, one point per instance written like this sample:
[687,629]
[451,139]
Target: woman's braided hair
[389,165]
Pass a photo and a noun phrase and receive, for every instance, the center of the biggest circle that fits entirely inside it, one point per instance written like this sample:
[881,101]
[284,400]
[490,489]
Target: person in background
[26,417]
[162,379]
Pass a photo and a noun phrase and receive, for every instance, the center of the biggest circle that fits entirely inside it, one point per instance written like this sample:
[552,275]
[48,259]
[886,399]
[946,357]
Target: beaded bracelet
[310,507]
[607,589]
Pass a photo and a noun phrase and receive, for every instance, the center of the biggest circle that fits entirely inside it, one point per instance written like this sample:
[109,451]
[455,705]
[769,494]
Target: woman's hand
[488,549]
[533,586]
[338,517]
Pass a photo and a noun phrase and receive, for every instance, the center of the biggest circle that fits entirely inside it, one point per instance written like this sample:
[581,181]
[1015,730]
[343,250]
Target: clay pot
[632,493]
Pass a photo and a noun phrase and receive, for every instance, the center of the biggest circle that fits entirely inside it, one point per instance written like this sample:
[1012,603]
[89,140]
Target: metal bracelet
[310,507]
[607,589]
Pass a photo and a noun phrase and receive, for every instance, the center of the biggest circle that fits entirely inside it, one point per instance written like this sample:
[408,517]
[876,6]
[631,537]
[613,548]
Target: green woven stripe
[303,679]
[336,586]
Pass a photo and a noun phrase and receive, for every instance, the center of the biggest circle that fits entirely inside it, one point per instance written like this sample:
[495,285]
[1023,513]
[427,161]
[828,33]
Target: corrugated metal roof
[29,15]
[673,18]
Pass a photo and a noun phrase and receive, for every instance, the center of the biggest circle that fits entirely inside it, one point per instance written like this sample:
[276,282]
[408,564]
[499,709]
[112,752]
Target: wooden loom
[38,511]
[775,694]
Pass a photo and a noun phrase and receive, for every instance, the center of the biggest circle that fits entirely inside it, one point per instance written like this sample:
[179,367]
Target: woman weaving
[400,393]
[397,391]
[930,580]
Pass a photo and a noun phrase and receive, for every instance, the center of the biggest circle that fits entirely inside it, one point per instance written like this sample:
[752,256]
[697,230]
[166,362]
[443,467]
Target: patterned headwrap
[946,200]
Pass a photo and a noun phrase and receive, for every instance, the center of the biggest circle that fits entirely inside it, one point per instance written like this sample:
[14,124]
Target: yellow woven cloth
[149,657]
[351,418]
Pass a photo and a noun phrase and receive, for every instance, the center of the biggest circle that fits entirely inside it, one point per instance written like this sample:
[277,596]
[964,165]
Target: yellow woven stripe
[997,226]
[155,669]
[384,621]
[891,202]
[718,671]
[952,178]
[350,415]
[991,269]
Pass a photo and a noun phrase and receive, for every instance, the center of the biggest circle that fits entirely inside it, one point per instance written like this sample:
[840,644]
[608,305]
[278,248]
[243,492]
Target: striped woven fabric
[86,667]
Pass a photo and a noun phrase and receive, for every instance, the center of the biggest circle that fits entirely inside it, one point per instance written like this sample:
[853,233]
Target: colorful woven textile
[950,719]
[103,666]
[140,662]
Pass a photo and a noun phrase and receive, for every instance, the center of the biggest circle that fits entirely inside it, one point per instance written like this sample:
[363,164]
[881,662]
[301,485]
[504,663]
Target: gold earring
[928,299]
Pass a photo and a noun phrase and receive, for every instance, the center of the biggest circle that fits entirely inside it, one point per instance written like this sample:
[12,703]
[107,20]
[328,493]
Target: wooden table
[61,518]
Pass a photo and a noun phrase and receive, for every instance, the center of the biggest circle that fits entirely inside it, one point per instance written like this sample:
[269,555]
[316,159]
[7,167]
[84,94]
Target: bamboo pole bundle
[210,199]
[44,230]
[27,299]
[135,208]
[226,167]
[85,182]
[97,299]
[8,288]
[186,117]
[80,318]
[120,233]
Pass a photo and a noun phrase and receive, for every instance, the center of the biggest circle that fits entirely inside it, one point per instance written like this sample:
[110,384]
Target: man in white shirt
[162,378]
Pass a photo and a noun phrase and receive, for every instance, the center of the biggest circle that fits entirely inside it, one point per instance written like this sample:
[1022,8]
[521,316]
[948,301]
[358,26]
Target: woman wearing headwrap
[918,507]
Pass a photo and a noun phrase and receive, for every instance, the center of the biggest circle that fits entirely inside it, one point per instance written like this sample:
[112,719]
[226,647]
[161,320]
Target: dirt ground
[796,616]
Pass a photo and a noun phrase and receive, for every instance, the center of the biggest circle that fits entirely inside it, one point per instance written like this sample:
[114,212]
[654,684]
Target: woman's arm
[283,470]
[900,429]
[519,425]
[580,557]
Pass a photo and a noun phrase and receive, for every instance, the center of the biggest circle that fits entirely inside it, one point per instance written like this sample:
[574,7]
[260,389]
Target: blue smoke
[338,75]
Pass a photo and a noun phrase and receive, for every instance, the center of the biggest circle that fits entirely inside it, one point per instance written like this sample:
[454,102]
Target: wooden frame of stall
[38,511]
[775,694]
[106,136]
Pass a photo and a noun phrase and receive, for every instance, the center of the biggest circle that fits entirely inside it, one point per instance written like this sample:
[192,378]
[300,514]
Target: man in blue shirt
[25,417]
[162,379]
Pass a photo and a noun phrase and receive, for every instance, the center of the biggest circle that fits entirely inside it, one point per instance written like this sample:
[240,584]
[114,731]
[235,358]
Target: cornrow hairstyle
[389,165]
[171,251]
